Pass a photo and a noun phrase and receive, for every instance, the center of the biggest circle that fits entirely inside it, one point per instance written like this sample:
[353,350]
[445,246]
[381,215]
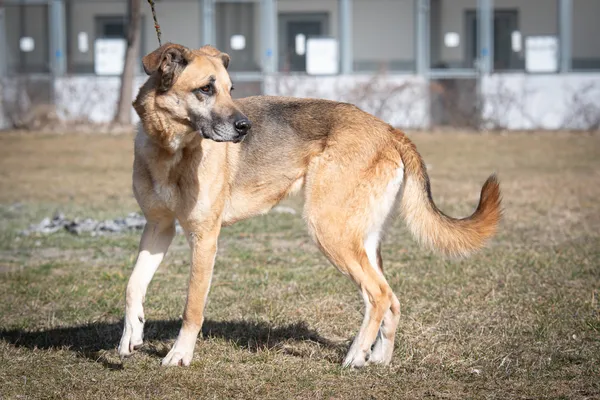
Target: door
[294,31]
[505,24]
[235,28]
[300,31]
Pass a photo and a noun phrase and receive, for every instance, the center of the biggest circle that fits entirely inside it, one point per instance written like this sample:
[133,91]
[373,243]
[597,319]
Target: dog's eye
[232,88]
[204,89]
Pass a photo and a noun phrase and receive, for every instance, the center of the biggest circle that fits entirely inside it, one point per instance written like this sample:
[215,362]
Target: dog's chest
[188,184]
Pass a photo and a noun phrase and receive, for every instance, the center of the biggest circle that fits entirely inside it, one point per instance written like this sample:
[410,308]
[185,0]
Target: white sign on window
[237,42]
[300,44]
[82,42]
[109,56]
[26,44]
[322,56]
[452,39]
[541,54]
[516,41]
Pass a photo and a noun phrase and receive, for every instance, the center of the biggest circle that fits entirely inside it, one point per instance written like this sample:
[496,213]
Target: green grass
[520,319]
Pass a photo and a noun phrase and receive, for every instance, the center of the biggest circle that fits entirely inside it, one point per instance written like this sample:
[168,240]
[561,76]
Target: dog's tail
[451,236]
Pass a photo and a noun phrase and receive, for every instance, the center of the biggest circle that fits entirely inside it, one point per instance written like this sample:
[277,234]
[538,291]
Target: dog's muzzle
[228,130]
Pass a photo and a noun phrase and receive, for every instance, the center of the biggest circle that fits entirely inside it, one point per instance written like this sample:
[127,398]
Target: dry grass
[519,320]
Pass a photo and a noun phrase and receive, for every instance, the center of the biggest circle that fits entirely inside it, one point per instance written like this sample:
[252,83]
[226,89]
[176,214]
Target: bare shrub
[584,108]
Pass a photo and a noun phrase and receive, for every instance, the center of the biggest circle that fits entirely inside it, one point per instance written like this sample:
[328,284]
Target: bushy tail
[451,236]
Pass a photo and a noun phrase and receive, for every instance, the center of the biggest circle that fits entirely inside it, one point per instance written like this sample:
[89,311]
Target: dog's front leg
[156,238]
[204,247]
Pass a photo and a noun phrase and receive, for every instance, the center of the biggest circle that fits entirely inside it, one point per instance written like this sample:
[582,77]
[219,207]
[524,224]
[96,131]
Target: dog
[209,161]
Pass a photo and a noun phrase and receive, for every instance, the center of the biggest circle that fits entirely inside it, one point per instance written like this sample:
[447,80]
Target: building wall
[180,22]
[313,6]
[536,17]
[383,34]
[524,101]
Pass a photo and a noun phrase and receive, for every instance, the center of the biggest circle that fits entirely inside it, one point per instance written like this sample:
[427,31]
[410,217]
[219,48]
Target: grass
[520,319]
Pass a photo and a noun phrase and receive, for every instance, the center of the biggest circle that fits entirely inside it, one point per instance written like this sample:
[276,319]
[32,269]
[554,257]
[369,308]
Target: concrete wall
[91,99]
[401,100]
[522,101]
[510,101]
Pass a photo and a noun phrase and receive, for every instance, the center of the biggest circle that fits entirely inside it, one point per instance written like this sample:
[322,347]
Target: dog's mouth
[218,133]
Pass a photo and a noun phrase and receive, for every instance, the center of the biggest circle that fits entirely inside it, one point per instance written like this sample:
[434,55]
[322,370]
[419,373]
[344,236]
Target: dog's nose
[242,126]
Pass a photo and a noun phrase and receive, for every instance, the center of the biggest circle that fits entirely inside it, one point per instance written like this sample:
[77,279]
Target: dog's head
[189,93]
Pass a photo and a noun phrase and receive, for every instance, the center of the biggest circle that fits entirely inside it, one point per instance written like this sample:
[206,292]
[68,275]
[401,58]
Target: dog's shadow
[95,340]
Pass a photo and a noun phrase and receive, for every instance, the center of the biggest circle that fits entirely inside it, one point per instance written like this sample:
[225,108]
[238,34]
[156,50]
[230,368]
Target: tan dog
[353,167]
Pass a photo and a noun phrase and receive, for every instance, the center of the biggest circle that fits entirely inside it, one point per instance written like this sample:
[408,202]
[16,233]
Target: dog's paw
[356,358]
[133,333]
[178,356]
[382,352]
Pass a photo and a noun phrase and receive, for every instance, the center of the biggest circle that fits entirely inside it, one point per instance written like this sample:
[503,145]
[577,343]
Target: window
[236,27]
[294,31]
[453,34]
[27,39]
[299,21]
[585,50]
[507,40]
[525,29]
[111,27]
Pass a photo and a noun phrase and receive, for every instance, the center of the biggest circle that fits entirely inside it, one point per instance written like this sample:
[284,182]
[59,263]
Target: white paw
[182,352]
[382,351]
[133,332]
[356,357]
[178,357]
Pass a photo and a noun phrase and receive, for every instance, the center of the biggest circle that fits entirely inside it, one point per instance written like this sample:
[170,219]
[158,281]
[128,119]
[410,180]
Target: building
[516,64]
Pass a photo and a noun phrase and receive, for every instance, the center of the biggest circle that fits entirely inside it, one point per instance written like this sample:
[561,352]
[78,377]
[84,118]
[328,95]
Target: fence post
[208,22]
[269,37]
[345,25]
[422,9]
[566,31]
[58,40]
[485,28]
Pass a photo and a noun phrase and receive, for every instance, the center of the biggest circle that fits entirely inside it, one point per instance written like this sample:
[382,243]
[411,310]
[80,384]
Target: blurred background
[478,85]
[483,64]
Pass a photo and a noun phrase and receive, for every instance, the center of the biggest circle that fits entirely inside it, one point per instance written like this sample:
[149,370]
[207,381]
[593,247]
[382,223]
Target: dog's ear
[225,58]
[169,60]
[213,52]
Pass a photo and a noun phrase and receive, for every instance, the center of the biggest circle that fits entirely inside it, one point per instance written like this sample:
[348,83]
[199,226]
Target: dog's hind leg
[156,238]
[346,216]
[384,345]
[376,293]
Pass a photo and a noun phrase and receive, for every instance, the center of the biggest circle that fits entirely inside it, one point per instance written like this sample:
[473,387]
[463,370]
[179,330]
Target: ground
[520,319]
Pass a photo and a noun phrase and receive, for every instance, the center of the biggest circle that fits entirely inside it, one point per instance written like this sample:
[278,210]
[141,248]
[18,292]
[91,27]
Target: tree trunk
[134,19]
